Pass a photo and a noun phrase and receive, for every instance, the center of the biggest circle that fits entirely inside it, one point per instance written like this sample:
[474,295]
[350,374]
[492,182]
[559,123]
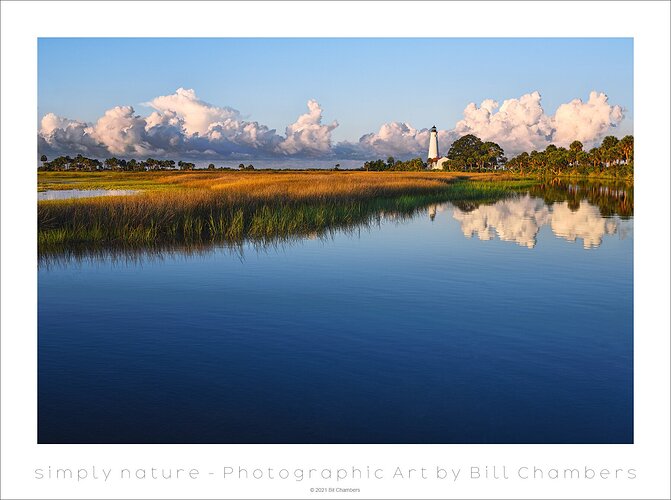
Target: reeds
[258,205]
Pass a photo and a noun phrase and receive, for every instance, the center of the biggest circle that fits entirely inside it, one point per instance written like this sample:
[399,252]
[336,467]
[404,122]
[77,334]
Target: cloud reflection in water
[520,219]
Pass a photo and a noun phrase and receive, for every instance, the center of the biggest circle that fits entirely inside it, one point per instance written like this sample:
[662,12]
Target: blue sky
[361,83]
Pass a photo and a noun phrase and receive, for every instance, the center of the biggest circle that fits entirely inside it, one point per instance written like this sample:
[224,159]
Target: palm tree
[608,142]
[574,149]
[595,157]
[627,147]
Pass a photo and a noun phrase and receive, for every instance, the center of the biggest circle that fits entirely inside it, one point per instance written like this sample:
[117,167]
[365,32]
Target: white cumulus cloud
[122,132]
[184,124]
[517,125]
[522,124]
[197,115]
[59,134]
[165,131]
[308,134]
[396,139]
[586,121]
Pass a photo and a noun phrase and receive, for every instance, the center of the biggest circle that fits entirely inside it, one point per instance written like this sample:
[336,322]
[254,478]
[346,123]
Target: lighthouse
[433,144]
[435,162]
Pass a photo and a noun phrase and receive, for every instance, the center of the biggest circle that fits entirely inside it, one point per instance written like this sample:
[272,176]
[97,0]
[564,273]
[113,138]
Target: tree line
[82,163]
[467,153]
[392,164]
[613,158]
[85,164]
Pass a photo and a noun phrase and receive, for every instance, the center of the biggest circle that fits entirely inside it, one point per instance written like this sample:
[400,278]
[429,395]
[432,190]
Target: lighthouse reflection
[520,219]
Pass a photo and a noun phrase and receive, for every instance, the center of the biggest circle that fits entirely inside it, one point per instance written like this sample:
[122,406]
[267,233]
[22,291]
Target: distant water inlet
[66,194]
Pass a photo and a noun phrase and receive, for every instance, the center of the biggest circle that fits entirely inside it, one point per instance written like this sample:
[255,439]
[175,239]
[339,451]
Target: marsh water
[505,322]
[66,194]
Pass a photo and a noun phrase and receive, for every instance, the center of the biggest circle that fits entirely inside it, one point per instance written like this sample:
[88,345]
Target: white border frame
[23,23]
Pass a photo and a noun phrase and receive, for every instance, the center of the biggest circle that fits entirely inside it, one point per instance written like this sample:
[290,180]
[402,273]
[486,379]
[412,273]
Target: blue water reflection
[410,332]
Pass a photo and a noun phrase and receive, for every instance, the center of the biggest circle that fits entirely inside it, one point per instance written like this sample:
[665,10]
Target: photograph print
[335,240]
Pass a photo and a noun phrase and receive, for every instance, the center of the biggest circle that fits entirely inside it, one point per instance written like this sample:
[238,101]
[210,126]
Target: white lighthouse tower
[435,162]
[433,144]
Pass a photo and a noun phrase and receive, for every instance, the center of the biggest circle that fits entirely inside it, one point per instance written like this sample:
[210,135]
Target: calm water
[503,323]
[64,194]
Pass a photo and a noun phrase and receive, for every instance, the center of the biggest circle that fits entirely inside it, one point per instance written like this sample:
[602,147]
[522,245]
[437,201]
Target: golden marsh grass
[195,206]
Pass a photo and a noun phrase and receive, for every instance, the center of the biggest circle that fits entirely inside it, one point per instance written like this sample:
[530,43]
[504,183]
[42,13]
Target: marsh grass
[154,181]
[259,206]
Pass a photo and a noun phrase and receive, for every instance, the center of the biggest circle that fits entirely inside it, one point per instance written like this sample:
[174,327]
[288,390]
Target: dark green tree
[608,142]
[466,149]
[470,152]
[576,146]
[493,154]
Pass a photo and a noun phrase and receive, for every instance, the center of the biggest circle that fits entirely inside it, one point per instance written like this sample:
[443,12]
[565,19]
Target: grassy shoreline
[231,206]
